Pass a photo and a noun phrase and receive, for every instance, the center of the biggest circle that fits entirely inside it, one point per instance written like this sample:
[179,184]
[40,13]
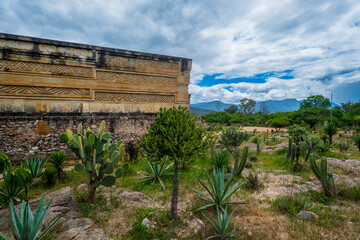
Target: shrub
[343,146]
[292,205]
[357,141]
[352,194]
[57,160]
[155,170]
[49,176]
[231,138]
[219,191]
[28,226]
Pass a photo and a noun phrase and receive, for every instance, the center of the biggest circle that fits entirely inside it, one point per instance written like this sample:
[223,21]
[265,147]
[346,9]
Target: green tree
[330,130]
[176,134]
[231,109]
[279,122]
[247,106]
[298,134]
[316,101]
[218,117]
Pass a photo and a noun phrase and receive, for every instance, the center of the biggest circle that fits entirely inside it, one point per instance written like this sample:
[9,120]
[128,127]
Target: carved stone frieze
[46,91]
[19,66]
[133,97]
[120,77]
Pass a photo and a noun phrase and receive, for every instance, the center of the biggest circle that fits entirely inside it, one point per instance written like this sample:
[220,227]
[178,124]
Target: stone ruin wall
[47,86]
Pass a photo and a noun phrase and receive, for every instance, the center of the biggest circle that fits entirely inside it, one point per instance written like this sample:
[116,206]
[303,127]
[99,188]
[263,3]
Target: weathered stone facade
[60,84]
[40,75]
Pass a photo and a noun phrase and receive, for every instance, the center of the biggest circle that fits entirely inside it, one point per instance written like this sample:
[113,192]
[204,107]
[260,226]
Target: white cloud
[318,40]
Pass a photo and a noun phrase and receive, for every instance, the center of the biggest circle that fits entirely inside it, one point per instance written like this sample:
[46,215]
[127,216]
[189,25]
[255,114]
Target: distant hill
[199,111]
[286,105]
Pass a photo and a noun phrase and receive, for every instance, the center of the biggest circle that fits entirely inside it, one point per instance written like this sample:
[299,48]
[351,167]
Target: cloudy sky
[269,49]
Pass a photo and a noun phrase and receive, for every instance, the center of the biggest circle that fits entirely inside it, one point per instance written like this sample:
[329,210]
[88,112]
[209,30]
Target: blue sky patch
[215,79]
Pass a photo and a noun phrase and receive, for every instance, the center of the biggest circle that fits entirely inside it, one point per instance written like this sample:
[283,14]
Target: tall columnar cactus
[288,155]
[258,147]
[293,153]
[326,179]
[239,165]
[98,156]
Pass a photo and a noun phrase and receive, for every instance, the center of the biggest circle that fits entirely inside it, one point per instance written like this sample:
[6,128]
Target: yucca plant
[49,176]
[27,226]
[219,159]
[221,224]
[57,160]
[35,165]
[155,170]
[219,191]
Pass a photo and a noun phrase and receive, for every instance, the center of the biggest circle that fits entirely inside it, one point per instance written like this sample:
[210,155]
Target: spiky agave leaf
[221,224]
[28,226]
[218,191]
[155,170]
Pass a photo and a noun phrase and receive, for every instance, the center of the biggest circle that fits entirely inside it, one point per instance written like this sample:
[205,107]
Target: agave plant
[155,170]
[221,224]
[219,159]
[219,191]
[36,166]
[28,226]
[57,160]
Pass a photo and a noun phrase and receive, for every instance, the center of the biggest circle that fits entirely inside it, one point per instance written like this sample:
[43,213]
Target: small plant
[12,189]
[253,181]
[36,166]
[28,226]
[357,141]
[343,146]
[253,158]
[239,165]
[219,191]
[330,130]
[288,155]
[324,137]
[259,147]
[232,139]
[352,193]
[221,224]
[155,170]
[95,151]
[309,145]
[219,159]
[5,164]
[326,179]
[292,205]
[49,176]
[57,160]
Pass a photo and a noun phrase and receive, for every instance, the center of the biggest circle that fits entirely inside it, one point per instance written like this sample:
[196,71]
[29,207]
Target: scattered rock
[146,222]
[74,227]
[135,197]
[306,216]
[196,224]
[92,234]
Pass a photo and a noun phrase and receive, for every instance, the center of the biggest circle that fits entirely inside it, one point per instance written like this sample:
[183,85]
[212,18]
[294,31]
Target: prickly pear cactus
[98,156]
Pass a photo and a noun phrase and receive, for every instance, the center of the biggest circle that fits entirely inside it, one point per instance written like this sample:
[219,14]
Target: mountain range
[286,105]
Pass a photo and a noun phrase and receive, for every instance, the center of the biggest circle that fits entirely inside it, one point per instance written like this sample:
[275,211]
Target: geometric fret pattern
[120,77]
[46,68]
[52,91]
[133,97]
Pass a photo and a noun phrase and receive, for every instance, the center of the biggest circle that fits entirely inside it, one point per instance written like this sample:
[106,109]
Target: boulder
[306,216]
